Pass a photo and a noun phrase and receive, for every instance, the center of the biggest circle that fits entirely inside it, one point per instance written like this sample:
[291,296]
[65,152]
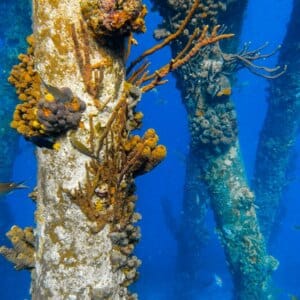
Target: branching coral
[107,196]
[207,13]
[117,158]
[198,40]
[114,17]
[167,40]
[247,58]
[91,74]
[212,118]
[22,253]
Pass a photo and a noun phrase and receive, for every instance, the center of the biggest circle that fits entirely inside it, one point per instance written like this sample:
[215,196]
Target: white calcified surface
[71,261]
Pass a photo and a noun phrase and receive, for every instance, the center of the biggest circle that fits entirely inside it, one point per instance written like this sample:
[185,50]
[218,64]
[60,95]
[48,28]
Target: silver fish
[7,187]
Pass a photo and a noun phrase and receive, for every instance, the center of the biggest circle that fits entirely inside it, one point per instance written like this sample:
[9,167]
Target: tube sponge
[47,113]
[57,116]
[143,153]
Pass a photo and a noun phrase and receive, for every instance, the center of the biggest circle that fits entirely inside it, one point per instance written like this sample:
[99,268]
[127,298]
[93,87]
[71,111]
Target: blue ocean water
[265,20]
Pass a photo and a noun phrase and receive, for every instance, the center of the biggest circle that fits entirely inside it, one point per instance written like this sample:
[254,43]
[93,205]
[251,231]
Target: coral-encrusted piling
[78,108]
[280,131]
[215,159]
[73,255]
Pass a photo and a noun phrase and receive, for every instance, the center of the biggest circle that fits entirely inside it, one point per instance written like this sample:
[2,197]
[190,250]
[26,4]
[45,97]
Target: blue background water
[265,20]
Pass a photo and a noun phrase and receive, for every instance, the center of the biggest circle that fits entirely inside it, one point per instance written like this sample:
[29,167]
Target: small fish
[161,101]
[64,93]
[293,297]
[7,187]
[158,99]
[218,280]
[297,227]
[241,85]
[42,142]
[154,90]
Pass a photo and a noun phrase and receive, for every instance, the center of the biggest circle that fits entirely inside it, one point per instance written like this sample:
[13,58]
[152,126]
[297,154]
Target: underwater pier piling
[279,132]
[73,257]
[205,84]
[233,206]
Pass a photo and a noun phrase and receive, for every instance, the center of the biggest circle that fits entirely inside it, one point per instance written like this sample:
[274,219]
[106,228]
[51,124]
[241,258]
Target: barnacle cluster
[114,17]
[212,73]
[215,126]
[121,256]
[207,14]
[43,112]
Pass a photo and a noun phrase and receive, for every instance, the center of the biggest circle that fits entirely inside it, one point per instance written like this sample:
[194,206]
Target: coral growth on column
[215,159]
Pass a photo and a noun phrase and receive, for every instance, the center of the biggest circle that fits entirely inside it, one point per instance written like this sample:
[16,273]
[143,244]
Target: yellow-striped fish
[7,187]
